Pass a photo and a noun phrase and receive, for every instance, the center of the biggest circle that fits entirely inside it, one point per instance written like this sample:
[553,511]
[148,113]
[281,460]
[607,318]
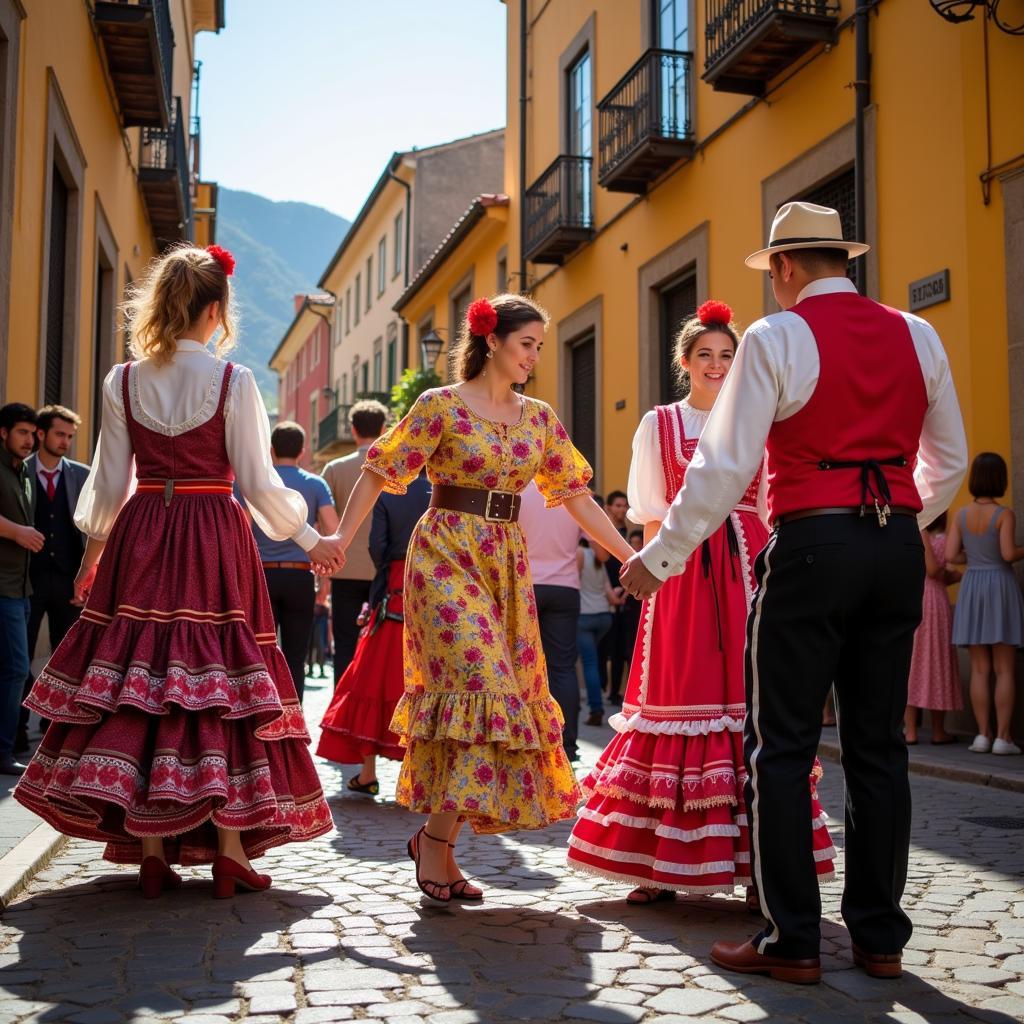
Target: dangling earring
[490,355]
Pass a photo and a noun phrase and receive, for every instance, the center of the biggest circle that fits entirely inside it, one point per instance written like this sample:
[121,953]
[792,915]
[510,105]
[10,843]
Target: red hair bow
[714,312]
[223,257]
[482,317]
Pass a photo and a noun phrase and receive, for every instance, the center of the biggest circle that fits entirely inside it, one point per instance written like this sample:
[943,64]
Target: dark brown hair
[813,261]
[686,341]
[288,439]
[514,313]
[368,417]
[49,413]
[988,477]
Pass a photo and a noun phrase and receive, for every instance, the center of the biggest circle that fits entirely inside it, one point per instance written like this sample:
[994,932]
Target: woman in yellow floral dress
[483,736]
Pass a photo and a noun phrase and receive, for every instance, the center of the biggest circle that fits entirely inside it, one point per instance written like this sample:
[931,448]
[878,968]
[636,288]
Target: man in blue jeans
[18,539]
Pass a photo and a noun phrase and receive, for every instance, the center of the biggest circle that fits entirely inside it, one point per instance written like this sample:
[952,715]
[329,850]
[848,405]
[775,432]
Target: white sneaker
[1004,747]
[981,745]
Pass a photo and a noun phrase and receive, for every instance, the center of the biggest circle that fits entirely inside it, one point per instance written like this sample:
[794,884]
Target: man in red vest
[855,405]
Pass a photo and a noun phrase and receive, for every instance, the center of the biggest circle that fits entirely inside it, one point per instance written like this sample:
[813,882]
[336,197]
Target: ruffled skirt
[483,736]
[173,711]
[357,723]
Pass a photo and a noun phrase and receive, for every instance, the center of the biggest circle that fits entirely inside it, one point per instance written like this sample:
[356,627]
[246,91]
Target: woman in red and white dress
[665,804]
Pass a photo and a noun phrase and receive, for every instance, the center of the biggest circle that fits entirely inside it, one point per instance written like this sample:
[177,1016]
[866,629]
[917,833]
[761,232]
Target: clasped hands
[328,555]
[638,580]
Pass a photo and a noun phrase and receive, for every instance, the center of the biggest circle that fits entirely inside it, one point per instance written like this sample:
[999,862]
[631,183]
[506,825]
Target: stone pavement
[342,935]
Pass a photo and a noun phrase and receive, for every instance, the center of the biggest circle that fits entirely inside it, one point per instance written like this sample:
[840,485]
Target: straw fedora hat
[804,226]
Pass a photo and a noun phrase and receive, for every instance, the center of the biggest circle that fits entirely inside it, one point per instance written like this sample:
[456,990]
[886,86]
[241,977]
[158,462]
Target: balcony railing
[334,428]
[644,121]
[558,208]
[749,42]
[164,177]
[138,42]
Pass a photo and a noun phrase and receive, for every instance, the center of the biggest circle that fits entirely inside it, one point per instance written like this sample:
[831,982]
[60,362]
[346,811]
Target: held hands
[83,584]
[638,580]
[328,555]
[29,538]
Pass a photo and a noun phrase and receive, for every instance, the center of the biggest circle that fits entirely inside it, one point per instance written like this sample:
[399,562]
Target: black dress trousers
[838,599]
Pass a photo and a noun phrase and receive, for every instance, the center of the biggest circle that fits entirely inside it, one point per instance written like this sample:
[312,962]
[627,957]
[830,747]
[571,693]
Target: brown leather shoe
[879,965]
[744,959]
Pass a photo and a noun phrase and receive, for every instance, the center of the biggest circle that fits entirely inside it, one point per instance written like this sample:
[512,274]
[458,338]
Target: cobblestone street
[342,935]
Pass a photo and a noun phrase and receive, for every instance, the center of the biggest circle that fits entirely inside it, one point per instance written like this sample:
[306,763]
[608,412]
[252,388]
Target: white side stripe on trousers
[773,935]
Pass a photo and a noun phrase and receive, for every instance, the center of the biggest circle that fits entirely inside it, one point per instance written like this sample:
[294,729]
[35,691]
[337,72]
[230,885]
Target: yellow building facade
[98,171]
[472,260]
[660,137]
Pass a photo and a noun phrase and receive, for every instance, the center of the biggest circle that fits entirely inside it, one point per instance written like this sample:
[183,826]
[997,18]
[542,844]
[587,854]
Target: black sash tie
[872,482]
[705,561]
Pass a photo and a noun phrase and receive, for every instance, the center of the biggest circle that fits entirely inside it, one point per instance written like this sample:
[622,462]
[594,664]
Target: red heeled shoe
[155,876]
[228,873]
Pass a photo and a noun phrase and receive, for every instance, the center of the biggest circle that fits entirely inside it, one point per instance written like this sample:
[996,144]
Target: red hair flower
[714,312]
[482,317]
[223,257]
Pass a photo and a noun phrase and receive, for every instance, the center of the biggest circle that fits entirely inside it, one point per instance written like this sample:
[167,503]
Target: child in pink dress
[934,674]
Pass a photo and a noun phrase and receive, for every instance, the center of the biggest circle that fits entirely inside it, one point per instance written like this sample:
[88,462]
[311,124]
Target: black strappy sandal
[460,893]
[370,788]
[422,883]
[649,896]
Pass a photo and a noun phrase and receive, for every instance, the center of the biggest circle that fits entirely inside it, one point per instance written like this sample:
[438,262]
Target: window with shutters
[359,293]
[392,357]
[57,258]
[583,362]
[369,282]
[378,364]
[348,310]
[382,265]
[840,194]
[677,303]
[399,242]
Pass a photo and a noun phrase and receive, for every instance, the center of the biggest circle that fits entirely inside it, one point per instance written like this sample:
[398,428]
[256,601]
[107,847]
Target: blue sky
[307,99]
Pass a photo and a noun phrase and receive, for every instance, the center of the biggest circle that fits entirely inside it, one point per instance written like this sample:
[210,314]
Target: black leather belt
[810,513]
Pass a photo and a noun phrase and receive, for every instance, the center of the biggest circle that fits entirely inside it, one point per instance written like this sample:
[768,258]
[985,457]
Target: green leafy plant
[410,386]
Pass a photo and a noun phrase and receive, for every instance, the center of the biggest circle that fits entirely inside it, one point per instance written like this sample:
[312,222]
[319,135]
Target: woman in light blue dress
[989,615]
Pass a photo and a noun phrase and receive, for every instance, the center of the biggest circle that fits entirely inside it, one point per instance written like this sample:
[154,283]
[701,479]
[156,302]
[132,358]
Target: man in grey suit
[56,482]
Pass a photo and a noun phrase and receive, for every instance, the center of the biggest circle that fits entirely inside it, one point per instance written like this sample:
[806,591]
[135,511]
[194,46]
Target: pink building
[302,366]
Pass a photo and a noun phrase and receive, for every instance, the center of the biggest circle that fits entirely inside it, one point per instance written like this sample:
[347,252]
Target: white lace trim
[711,867]
[646,629]
[622,876]
[741,541]
[204,414]
[684,835]
[637,723]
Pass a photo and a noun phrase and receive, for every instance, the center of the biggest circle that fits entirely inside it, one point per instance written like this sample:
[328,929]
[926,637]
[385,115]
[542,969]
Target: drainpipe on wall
[523,34]
[862,87]
[405,261]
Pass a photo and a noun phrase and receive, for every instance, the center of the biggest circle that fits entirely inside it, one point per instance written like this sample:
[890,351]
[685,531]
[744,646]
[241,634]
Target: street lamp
[431,345]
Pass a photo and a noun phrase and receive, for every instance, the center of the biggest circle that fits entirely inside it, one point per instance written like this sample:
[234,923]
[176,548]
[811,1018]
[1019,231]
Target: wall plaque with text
[927,291]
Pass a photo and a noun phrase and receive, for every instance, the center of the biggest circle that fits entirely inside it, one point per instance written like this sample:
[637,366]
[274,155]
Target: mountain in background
[281,249]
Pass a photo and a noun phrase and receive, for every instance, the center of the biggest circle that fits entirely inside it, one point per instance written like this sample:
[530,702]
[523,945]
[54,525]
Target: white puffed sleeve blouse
[171,399]
[646,487]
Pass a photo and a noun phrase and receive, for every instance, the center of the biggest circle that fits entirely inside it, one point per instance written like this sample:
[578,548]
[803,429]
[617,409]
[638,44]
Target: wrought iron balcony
[645,122]
[749,42]
[558,208]
[334,430]
[138,43]
[164,178]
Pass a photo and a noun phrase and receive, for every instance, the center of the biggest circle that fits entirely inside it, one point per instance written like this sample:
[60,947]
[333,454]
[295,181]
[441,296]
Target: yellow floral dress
[483,736]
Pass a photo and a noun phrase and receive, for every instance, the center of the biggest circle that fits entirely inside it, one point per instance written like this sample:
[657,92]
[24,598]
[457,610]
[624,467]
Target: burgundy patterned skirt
[172,706]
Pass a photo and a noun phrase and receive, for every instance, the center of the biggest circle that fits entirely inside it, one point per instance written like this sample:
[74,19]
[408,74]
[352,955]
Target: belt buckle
[496,517]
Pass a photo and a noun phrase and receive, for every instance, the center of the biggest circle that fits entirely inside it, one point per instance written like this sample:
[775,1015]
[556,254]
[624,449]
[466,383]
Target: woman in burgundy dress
[177,735]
